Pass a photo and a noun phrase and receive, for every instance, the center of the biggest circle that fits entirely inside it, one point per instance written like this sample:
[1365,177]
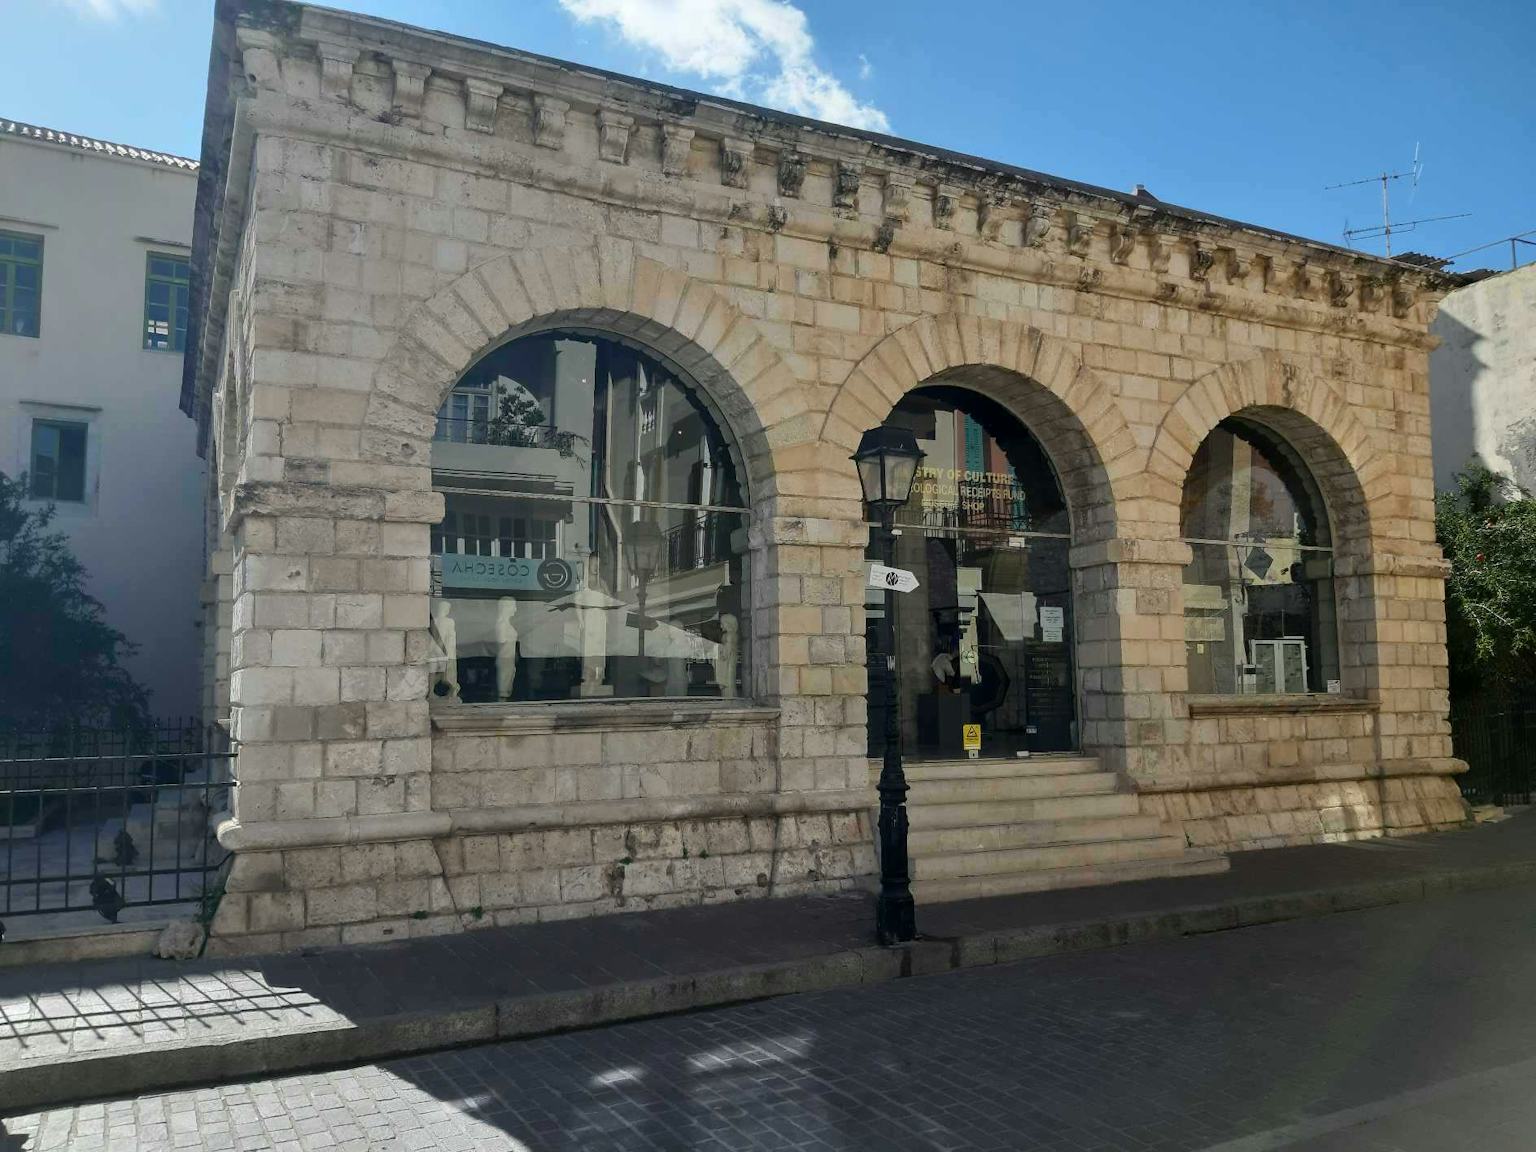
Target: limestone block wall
[382,207]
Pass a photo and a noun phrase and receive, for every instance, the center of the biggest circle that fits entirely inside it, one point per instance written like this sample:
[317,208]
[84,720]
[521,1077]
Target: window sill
[603,715]
[1297,704]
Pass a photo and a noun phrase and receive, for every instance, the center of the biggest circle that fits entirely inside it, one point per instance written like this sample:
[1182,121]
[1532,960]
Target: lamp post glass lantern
[887,460]
[643,544]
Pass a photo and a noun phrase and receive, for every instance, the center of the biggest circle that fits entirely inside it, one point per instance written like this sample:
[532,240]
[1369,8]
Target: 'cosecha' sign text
[504,573]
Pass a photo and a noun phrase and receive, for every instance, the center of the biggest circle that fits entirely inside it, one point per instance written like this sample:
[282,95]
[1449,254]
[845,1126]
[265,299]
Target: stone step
[973,790]
[927,838]
[988,769]
[1046,858]
[970,814]
[939,891]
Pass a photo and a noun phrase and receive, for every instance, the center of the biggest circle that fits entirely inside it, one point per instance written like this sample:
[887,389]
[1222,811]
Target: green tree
[519,423]
[1487,528]
[60,662]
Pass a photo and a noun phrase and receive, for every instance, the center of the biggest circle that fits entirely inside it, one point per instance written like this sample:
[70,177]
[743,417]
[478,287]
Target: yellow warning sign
[971,737]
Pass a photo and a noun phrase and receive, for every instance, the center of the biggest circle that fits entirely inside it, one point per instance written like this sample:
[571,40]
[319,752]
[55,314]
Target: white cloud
[746,49]
[866,69]
[109,11]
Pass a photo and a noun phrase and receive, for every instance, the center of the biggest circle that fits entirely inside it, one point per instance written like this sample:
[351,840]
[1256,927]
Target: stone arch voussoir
[604,285]
[1306,409]
[1031,372]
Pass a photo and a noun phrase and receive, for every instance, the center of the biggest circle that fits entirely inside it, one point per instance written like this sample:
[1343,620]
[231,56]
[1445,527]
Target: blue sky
[1240,108]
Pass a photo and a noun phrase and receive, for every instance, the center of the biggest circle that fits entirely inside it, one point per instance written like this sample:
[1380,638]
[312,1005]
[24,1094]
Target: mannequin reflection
[725,656]
[506,647]
[444,664]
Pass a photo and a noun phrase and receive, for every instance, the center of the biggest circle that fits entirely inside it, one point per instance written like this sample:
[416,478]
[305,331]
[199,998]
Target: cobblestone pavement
[1408,1028]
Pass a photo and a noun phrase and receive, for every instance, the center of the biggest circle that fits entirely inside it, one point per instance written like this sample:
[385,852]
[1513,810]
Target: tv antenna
[1387,227]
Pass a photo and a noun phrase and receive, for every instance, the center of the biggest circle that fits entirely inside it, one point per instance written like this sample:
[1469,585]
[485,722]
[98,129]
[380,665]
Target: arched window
[593,540]
[1258,596]
[986,637]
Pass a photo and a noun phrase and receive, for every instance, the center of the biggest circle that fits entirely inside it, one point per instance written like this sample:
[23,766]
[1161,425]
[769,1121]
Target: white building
[94,240]
[1483,379]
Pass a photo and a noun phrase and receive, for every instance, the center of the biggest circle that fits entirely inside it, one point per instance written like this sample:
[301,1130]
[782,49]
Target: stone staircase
[995,827]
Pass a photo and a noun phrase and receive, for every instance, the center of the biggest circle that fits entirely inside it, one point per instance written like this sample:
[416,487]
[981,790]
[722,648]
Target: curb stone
[187,1064]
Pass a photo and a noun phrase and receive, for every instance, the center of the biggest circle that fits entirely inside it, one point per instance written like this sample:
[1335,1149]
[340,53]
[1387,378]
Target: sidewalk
[109,1028]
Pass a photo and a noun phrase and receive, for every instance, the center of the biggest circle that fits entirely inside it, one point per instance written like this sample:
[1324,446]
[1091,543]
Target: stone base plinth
[319,895]
[1235,817]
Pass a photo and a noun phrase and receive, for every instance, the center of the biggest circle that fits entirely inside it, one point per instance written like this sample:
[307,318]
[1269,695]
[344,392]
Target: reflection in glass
[986,636]
[1258,594]
[548,452]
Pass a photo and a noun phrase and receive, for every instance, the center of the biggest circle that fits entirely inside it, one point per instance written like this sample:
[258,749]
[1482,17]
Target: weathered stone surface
[438,202]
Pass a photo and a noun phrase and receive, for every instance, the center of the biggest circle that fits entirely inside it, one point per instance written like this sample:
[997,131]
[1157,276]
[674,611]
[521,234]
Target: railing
[703,541]
[502,434]
[105,820]
[1497,739]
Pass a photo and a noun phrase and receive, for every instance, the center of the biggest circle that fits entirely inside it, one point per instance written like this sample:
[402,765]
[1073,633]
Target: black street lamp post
[887,460]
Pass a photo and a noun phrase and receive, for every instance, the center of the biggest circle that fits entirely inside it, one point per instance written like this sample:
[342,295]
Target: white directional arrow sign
[894,579]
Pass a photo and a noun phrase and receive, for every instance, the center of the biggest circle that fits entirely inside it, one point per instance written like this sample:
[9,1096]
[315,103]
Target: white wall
[1483,378]
[139,533]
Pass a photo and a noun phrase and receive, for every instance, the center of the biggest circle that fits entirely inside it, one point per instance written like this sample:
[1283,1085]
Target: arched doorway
[986,637]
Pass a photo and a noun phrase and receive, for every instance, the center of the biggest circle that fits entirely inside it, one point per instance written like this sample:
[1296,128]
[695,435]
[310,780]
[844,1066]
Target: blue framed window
[58,461]
[167,289]
[21,284]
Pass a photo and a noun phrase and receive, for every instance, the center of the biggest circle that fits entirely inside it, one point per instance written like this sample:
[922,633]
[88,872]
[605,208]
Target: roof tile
[87,144]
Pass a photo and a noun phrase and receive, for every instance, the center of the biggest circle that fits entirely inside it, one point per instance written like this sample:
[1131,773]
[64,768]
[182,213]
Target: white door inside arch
[983,645]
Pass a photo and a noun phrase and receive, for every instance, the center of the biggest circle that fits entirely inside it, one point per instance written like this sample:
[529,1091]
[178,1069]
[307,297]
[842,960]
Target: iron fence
[100,821]
[1497,739]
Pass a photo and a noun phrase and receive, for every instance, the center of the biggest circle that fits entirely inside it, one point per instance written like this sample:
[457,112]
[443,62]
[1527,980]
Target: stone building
[530,392]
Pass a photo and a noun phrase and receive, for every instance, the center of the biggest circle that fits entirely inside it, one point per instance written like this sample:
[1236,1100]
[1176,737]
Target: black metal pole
[640,622]
[895,914]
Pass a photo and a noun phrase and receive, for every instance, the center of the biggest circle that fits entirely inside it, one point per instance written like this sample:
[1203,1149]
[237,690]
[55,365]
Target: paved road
[1404,1029]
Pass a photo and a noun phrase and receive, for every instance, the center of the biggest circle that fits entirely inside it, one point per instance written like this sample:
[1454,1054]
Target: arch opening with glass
[986,637]
[1259,613]
[593,541]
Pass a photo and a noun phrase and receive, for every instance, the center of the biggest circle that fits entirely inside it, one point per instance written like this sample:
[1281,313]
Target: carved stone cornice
[549,121]
[949,175]
[895,198]
[792,166]
[676,147]
[990,214]
[1234,265]
[1302,283]
[480,99]
[946,198]
[1281,306]
[613,130]
[1340,289]
[410,86]
[735,162]
[258,51]
[845,189]
[336,63]
[1079,233]
[1037,226]
[1122,242]
[1200,261]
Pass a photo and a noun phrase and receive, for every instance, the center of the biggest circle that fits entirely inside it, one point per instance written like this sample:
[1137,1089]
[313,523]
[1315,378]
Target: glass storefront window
[986,637]
[1258,594]
[547,452]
